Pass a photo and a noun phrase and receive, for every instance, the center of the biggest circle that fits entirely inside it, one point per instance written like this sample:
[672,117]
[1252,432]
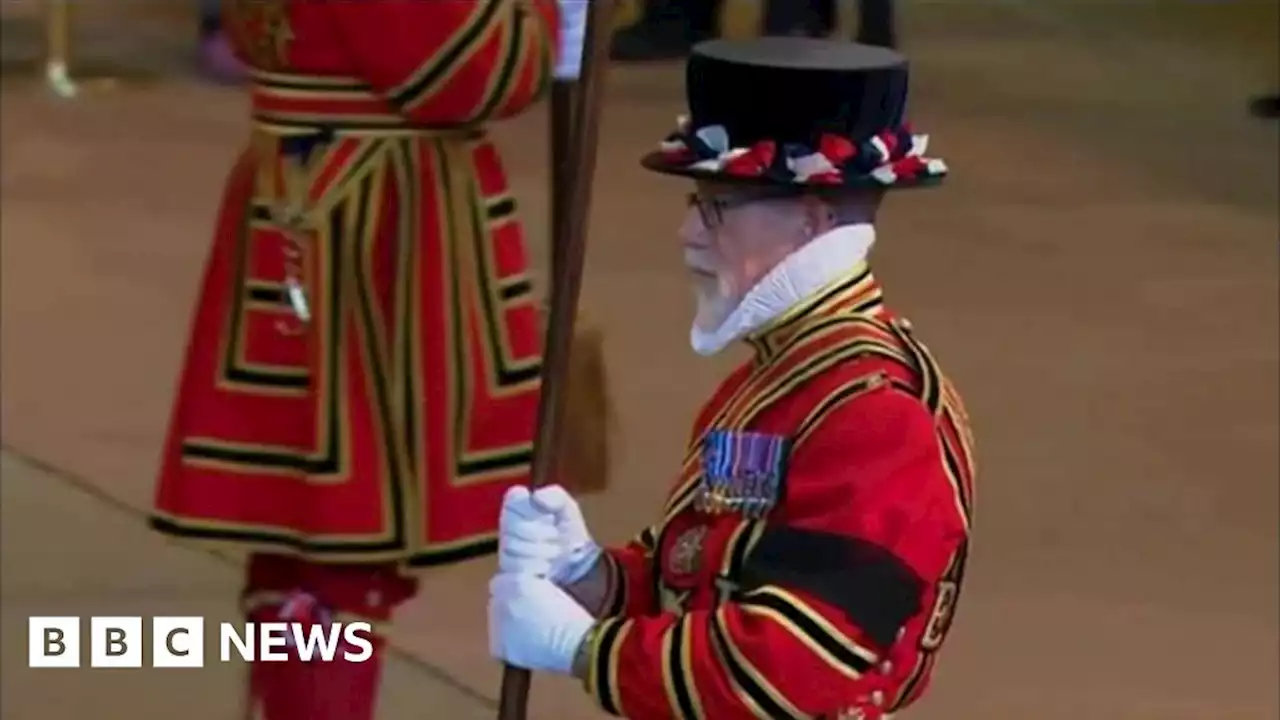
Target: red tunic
[388,426]
[834,604]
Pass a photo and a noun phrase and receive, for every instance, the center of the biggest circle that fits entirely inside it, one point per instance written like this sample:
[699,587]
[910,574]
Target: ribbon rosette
[303,607]
[910,165]
[755,162]
[888,157]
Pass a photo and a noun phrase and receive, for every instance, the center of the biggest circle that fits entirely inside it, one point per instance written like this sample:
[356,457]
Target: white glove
[534,624]
[528,540]
[573,36]
[543,533]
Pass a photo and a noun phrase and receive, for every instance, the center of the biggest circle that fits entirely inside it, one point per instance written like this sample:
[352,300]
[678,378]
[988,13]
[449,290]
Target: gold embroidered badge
[261,29]
[686,552]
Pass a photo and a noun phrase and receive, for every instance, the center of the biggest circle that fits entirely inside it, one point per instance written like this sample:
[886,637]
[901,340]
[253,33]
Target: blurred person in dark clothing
[216,57]
[669,28]
[806,18]
[819,18]
[877,23]
[1266,107]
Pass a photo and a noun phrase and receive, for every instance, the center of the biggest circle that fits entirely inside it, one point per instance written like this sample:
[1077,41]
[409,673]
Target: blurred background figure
[217,60]
[667,29]
[805,18]
[877,23]
[820,18]
[1266,107]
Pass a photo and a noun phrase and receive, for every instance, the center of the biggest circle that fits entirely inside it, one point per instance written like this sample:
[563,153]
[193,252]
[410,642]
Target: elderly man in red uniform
[808,560]
[362,379]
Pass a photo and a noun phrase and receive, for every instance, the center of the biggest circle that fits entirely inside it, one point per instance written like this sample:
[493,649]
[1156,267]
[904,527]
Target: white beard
[721,320]
[714,306]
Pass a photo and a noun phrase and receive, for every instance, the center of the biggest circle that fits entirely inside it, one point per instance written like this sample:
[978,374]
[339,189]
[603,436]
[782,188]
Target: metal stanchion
[57,38]
[60,74]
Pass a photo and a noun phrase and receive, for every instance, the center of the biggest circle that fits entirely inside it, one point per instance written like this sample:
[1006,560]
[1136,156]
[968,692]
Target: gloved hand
[573,36]
[543,533]
[535,625]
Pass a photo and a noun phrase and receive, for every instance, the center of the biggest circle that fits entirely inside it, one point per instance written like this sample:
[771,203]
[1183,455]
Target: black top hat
[797,112]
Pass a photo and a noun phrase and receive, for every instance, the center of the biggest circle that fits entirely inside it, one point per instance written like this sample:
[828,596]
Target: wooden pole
[568,255]
[562,163]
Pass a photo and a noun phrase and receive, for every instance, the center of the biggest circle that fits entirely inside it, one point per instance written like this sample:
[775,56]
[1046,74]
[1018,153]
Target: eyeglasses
[711,208]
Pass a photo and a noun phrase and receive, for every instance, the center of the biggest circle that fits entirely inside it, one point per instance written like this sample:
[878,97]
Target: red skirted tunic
[361,382]
[831,596]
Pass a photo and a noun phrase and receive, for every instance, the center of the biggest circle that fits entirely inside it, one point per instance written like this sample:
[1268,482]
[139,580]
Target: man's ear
[819,214]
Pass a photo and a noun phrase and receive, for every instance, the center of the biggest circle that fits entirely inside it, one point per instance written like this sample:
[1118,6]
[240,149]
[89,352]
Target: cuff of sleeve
[603,646]
[616,600]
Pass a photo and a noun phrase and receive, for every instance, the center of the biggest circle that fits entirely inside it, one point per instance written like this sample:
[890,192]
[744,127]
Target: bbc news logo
[179,642]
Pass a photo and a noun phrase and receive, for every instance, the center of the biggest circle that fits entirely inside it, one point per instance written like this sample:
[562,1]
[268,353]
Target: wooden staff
[568,253]
[562,163]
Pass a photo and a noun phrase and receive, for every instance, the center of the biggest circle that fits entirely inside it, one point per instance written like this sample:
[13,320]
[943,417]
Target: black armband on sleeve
[875,589]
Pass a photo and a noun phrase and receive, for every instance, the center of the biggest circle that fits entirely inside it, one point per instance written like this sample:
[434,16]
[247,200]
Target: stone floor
[67,549]
[1099,276]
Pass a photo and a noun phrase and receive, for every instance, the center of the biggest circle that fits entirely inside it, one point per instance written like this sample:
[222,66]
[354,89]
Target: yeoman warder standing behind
[362,379]
[809,557]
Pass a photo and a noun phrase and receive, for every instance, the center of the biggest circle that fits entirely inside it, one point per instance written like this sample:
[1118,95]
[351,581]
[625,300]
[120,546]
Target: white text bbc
[178,642]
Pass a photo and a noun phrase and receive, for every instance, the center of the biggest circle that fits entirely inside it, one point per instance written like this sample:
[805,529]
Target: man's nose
[692,230]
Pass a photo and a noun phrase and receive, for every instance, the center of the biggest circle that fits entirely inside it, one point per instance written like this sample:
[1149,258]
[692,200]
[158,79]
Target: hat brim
[660,162]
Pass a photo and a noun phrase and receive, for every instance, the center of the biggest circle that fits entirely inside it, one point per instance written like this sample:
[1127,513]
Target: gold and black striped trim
[743,538]
[930,377]
[375,347]
[500,208]
[515,288]
[512,37]
[957,474]
[602,670]
[806,625]
[677,675]
[438,69]
[927,653]
[750,685]
[546,38]
[234,371]
[407,340]
[648,539]
[310,85]
[459,221]
[858,289]
[329,458]
[506,372]
[847,392]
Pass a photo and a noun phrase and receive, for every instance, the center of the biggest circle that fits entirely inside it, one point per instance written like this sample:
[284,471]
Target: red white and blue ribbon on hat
[888,158]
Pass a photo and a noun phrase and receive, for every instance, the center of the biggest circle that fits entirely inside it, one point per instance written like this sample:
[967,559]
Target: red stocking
[285,589]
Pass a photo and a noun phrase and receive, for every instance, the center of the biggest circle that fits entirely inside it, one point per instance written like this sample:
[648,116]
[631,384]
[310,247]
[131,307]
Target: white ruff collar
[804,272]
